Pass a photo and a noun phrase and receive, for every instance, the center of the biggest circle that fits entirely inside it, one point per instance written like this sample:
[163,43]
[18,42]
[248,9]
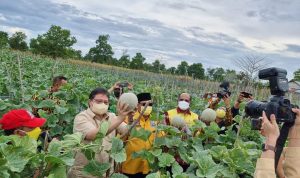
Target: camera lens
[254,109]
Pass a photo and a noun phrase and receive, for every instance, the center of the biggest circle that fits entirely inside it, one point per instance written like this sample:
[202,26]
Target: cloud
[211,32]
[293,48]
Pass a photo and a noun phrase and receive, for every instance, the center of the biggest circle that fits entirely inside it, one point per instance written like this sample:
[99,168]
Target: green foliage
[57,42]
[157,67]
[216,74]
[19,157]
[228,155]
[117,151]
[17,41]
[196,70]
[102,52]
[124,61]
[182,68]
[96,169]
[297,75]
[137,61]
[3,39]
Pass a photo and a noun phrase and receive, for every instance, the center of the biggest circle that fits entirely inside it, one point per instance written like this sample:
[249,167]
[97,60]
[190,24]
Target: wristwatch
[268,147]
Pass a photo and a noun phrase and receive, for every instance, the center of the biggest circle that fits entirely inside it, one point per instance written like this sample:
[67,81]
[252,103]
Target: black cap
[143,96]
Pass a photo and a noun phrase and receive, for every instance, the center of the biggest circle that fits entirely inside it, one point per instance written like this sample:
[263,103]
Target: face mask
[183,105]
[117,93]
[35,133]
[99,109]
[147,111]
[220,113]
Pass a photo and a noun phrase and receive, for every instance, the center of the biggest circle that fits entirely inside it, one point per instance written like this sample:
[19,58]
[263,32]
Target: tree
[196,70]
[76,54]
[297,75]
[17,41]
[171,70]
[216,74]
[230,75]
[57,42]
[157,66]
[137,61]
[124,60]
[3,39]
[147,67]
[102,52]
[251,64]
[182,68]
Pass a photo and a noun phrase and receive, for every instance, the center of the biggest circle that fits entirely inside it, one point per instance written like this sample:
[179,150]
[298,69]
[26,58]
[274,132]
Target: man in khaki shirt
[88,123]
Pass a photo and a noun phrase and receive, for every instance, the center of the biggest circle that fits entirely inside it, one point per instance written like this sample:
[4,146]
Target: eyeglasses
[101,101]
[144,104]
[186,100]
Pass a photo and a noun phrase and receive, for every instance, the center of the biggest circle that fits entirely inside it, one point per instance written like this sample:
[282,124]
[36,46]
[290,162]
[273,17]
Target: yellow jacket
[138,165]
[188,116]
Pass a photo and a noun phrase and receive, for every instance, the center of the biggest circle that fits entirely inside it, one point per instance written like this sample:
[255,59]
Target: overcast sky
[212,32]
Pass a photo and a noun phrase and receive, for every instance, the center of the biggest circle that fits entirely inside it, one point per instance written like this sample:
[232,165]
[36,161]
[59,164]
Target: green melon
[208,115]
[130,99]
[178,122]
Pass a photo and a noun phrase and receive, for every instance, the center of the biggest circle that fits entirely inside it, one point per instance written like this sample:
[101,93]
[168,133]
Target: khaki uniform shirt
[83,123]
[265,166]
[291,163]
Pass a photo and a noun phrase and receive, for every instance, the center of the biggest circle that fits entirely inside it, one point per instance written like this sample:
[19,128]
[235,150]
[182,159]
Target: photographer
[265,164]
[118,88]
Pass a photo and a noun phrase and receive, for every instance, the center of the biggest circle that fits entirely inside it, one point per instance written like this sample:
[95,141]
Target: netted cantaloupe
[130,99]
[208,115]
[178,122]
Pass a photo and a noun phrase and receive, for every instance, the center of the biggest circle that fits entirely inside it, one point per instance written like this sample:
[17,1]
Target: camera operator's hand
[294,133]
[116,85]
[270,129]
[130,86]
[297,112]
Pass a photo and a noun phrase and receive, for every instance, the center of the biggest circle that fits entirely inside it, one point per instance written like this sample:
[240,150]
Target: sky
[213,33]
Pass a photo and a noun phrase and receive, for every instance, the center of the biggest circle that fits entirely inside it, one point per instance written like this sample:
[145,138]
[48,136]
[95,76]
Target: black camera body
[123,84]
[224,90]
[278,104]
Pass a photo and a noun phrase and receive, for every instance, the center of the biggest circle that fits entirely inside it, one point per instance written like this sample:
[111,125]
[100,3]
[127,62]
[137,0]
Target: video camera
[278,104]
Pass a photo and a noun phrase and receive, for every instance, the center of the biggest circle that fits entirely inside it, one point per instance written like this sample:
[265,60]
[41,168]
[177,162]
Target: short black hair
[58,79]
[98,91]
[9,132]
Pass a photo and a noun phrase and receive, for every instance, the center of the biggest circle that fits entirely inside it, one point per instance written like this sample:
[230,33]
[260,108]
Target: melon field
[23,76]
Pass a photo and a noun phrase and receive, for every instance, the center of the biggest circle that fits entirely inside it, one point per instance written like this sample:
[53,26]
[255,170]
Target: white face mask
[99,109]
[183,105]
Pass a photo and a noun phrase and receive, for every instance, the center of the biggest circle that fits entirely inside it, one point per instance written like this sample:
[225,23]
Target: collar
[143,119]
[94,116]
[183,112]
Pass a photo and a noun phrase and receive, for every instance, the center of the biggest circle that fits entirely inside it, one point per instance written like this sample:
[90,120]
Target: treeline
[57,43]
